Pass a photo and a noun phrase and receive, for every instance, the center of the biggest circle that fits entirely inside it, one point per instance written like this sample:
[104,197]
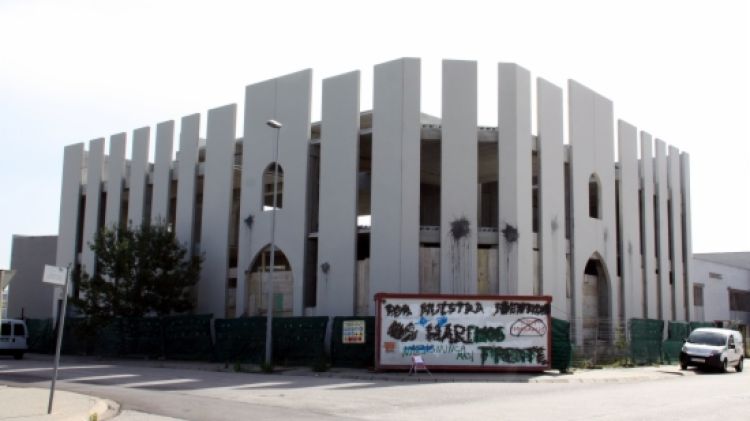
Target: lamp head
[273,124]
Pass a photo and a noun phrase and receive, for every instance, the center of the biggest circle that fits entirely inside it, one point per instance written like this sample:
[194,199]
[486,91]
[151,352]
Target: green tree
[139,271]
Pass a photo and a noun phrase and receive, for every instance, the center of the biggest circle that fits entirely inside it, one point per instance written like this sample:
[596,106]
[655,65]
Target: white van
[713,347]
[13,337]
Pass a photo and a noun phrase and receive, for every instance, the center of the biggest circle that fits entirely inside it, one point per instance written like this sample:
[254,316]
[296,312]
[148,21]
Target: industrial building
[394,200]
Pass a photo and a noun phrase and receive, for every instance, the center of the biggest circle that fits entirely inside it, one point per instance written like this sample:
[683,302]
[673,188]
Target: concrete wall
[187,171]
[94,172]
[458,178]
[552,242]
[288,100]
[514,181]
[217,202]
[337,226]
[675,245]
[715,290]
[687,234]
[648,228]
[591,152]
[139,167]
[115,174]
[631,282]
[662,230]
[394,237]
[162,172]
[28,296]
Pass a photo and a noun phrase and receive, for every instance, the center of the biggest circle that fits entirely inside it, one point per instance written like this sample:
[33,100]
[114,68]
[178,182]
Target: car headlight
[684,349]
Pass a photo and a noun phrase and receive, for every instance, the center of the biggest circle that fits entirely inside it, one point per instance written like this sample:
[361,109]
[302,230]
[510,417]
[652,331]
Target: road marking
[159,382]
[112,376]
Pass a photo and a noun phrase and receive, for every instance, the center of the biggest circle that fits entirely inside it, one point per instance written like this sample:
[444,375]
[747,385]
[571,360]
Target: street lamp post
[269,311]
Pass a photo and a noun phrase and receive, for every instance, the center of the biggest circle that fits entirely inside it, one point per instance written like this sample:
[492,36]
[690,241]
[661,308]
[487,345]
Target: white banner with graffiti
[472,332]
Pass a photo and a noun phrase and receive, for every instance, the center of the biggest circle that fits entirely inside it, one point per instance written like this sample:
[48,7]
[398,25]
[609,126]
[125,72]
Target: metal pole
[60,328]
[269,314]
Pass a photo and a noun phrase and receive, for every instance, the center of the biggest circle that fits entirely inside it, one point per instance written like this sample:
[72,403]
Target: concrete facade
[454,207]
[337,226]
[395,175]
[722,278]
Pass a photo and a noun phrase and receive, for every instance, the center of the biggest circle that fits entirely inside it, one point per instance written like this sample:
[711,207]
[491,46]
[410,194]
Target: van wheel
[18,355]
[683,366]
[724,366]
[739,365]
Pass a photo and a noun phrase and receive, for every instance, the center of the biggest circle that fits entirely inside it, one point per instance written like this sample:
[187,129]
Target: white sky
[71,71]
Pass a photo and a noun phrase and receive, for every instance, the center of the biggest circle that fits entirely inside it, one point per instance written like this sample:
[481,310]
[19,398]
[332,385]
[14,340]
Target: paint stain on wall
[460,254]
[460,228]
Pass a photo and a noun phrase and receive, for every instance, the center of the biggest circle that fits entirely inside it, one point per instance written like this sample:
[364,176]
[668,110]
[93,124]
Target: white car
[13,337]
[713,347]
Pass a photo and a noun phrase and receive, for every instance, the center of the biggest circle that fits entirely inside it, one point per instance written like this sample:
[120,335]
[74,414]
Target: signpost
[464,332]
[59,276]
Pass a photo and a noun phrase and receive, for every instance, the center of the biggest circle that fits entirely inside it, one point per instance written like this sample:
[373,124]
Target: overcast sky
[72,71]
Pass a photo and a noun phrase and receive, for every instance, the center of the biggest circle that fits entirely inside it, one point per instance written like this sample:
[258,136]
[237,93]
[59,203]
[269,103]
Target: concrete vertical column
[675,198]
[94,173]
[662,251]
[551,196]
[458,183]
[687,236]
[115,179]
[515,241]
[630,238]
[650,281]
[337,226]
[162,167]
[394,237]
[591,128]
[217,201]
[288,100]
[70,204]
[187,169]
[138,176]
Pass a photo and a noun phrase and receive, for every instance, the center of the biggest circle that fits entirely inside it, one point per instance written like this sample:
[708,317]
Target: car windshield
[707,338]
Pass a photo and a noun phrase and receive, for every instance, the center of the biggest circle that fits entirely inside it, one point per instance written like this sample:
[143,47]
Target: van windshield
[707,338]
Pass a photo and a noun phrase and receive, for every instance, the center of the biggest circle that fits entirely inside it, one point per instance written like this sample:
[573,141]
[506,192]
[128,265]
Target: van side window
[5,329]
[18,330]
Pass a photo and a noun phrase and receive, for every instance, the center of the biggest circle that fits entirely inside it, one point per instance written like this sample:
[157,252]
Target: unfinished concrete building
[393,200]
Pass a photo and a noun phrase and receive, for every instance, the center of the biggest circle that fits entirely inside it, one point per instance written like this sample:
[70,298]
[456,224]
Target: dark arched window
[268,187]
[595,194]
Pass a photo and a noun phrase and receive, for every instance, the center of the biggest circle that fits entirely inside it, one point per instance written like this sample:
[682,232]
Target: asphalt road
[209,395]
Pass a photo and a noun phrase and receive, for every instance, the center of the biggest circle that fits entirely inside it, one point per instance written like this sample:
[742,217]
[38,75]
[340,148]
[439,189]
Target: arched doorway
[597,305]
[257,278]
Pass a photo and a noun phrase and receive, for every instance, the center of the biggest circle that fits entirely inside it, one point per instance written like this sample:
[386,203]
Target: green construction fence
[296,340]
[646,340]
[562,350]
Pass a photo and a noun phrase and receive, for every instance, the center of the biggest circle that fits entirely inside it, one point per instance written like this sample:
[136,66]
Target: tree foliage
[139,271]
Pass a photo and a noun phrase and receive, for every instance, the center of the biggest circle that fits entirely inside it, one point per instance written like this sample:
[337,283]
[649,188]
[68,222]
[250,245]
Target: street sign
[54,275]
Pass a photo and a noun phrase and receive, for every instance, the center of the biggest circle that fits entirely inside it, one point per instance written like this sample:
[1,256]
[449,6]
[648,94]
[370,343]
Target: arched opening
[257,283]
[273,171]
[597,305]
[595,194]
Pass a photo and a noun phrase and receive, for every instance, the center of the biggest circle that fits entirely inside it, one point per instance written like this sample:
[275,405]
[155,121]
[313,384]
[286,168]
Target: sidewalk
[21,403]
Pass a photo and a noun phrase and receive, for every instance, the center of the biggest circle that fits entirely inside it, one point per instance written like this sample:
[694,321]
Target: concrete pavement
[21,403]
